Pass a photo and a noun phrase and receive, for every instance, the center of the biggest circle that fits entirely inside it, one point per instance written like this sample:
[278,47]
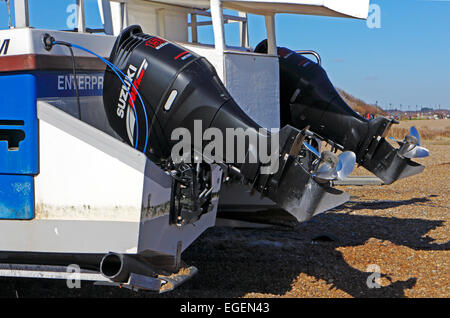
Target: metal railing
[311,52]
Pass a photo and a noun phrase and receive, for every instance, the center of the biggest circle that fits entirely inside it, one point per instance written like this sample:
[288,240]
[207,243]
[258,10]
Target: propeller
[331,166]
[410,146]
[326,169]
[347,161]
[416,152]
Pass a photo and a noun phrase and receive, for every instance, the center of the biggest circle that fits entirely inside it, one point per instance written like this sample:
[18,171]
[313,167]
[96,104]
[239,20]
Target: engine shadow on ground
[272,268]
[389,204]
[235,262]
[381,204]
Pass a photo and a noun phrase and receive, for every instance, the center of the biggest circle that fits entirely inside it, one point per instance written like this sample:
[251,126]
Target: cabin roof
[335,8]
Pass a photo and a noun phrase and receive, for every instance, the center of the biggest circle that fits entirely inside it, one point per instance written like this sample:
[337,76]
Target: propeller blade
[417,152]
[415,133]
[347,161]
[312,149]
[319,143]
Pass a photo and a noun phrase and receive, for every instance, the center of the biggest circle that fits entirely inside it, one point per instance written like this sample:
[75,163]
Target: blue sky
[406,61]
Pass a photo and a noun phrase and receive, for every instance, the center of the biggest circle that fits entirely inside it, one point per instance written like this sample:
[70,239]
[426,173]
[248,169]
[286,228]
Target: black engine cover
[179,87]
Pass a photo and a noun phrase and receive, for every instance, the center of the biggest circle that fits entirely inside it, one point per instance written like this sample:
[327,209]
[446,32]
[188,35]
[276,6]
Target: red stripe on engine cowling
[180,55]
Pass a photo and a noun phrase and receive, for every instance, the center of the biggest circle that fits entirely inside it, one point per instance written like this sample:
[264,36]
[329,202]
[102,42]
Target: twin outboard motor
[174,88]
[308,99]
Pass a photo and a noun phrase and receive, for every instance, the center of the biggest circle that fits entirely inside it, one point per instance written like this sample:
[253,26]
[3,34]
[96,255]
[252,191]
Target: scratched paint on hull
[16,197]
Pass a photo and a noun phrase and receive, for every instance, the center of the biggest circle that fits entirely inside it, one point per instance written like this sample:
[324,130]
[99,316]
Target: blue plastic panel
[18,146]
[16,197]
[18,125]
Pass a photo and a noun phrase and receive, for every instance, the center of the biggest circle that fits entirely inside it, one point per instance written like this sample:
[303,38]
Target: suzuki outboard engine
[309,99]
[175,89]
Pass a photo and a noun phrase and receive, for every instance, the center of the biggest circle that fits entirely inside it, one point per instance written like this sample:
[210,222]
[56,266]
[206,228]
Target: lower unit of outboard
[173,90]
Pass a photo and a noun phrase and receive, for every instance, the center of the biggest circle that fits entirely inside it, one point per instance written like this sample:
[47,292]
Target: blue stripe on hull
[62,84]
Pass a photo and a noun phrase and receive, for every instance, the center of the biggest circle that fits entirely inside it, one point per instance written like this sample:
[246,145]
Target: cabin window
[6,16]
[257,29]
[51,14]
[238,27]
[234,29]
[64,15]
[201,29]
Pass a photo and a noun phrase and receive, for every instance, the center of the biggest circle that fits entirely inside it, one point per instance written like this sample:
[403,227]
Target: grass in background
[433,135]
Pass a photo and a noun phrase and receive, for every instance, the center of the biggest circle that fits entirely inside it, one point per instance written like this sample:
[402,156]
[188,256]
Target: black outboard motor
[178,88]
[309,99]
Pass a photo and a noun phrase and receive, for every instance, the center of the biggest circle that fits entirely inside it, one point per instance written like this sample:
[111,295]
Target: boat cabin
[251,78]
